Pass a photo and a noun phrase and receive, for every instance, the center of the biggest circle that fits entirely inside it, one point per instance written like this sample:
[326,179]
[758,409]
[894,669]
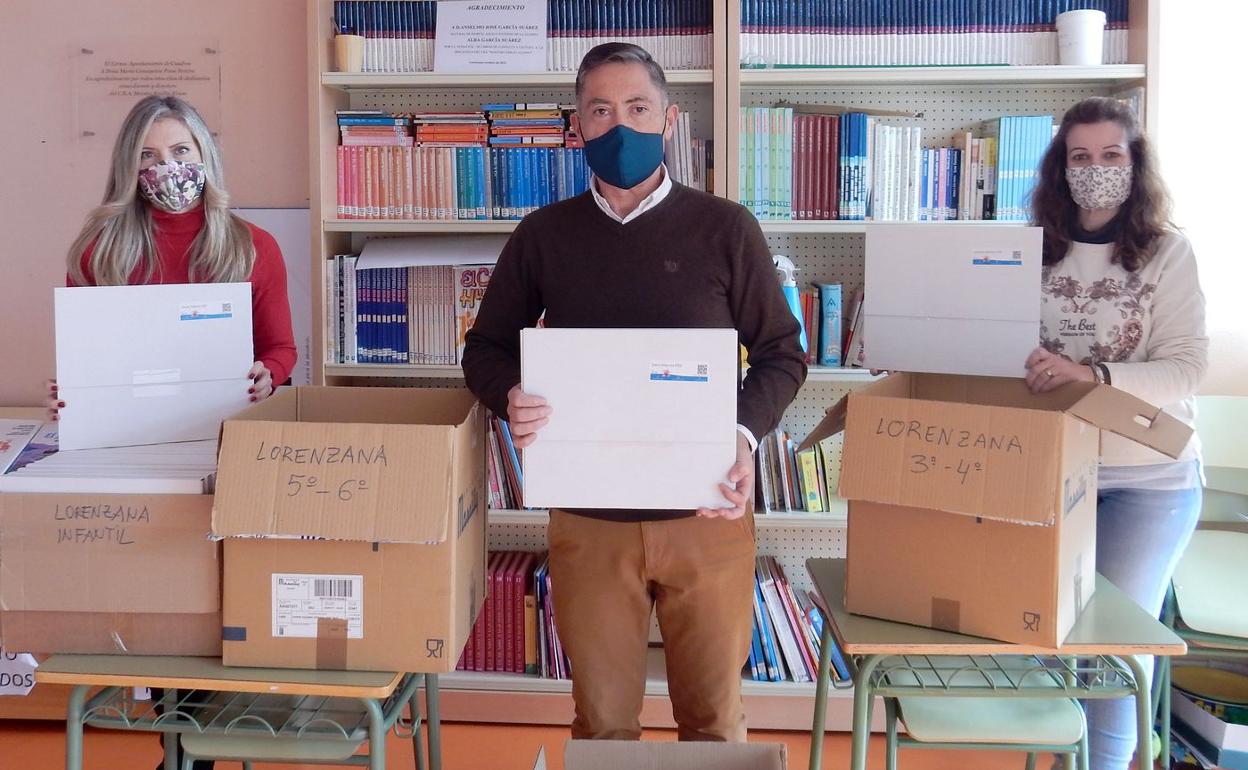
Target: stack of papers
[187,467]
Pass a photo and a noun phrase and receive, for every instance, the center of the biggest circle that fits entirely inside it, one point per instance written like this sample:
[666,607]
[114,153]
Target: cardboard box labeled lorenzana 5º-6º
[973,502]
[354,521]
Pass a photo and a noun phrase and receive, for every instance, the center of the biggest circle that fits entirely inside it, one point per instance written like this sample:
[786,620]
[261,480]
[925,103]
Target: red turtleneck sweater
[272,336]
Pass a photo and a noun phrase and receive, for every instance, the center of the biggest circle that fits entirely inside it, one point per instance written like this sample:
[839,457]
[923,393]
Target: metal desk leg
[376,734]
[169,698]
[1143,714]
[418,746]
[433,716]
[821,697]
[862,711]
[73,727]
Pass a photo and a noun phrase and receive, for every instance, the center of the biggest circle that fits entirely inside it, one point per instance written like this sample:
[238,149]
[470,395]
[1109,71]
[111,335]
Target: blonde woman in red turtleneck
[165,218]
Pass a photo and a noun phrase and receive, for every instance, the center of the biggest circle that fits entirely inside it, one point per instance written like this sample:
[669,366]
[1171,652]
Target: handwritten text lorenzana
[322,455]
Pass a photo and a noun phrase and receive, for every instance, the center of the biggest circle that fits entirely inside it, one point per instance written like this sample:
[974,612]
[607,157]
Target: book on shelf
[796,482]
[399,35]
[817,33]
[515,631]
[860,166]
[416,314]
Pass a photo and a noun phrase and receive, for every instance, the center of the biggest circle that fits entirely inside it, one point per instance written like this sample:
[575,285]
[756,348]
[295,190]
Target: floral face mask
[1099,187]
[172,185]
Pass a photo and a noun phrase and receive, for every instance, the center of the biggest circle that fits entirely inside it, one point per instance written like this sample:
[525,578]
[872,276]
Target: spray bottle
[788,282]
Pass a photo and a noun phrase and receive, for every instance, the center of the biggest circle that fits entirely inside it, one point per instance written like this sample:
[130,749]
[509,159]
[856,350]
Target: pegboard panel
[941,111]
[823,257]
[793,546]
[516,536]
[695,99]
[812,402]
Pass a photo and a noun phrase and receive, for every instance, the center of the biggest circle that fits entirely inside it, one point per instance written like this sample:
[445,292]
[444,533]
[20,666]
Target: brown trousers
[606,576]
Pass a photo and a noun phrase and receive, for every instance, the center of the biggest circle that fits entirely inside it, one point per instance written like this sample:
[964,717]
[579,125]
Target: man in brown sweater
[640,251]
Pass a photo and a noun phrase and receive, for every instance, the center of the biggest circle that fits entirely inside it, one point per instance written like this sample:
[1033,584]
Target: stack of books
[450,129]
[526,123]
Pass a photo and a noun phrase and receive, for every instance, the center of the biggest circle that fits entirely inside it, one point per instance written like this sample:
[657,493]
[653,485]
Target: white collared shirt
[647,203]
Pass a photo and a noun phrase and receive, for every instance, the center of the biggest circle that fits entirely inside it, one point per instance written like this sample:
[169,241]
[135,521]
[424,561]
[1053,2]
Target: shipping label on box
[300,601]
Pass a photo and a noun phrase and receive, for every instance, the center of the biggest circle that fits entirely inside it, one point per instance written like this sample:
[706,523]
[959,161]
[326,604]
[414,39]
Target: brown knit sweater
[693,261]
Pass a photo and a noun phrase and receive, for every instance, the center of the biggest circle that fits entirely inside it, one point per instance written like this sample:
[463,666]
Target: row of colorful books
[855,166]
[796,482]
[788,630]
[455,183]
[399,36]
[515,632]
[915,32]
[400,315]
[503,468]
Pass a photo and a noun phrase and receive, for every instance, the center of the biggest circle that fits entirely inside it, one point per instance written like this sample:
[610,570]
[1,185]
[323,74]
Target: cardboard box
[973,501]
[389,485]
[653,404]
[631,755]
[953,298]
[109,574]
[1218,741]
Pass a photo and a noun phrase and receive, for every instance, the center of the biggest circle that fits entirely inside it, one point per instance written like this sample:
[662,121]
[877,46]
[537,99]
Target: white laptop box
[151,364]
[642,418]
[952,299]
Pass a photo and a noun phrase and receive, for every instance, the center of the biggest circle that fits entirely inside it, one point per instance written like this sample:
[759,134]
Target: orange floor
[41,746]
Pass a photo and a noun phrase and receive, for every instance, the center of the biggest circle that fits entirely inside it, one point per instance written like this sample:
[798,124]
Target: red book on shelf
[501,611]
[832,153]
[483,632]
[521,570]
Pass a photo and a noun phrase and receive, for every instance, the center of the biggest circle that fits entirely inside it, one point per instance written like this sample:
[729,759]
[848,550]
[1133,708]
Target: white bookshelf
[433,372]
[370,81]
[944,99]
[413,226]
[470,695]
[1109,74]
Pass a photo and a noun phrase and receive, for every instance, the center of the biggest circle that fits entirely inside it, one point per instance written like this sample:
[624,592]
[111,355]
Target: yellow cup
[349,52]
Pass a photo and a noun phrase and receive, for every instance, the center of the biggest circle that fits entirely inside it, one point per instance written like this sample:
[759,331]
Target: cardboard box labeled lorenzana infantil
[107,568]
[354,521]
[653,755]
[973,502]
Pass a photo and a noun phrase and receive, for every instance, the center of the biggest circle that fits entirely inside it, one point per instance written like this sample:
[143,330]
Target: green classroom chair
[1026,724]
[1206,606]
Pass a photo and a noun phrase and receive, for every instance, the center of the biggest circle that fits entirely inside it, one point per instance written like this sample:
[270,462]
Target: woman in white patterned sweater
[1122,305]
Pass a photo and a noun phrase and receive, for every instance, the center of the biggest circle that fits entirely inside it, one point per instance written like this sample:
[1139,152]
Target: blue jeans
[1140,534]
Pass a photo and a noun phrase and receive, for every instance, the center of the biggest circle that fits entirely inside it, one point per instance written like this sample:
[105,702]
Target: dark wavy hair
[1144,216]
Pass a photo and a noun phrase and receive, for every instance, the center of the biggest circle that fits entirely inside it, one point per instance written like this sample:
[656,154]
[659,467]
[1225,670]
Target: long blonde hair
[120,228]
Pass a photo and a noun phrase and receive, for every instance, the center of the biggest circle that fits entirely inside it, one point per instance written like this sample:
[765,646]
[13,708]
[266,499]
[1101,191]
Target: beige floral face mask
[172,185]
[1099,187]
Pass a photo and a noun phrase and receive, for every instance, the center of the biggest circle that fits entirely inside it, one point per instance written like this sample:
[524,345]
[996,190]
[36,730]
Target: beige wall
[49,181]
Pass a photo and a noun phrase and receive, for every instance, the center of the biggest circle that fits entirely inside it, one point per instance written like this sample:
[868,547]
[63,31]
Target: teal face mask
[623,157]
